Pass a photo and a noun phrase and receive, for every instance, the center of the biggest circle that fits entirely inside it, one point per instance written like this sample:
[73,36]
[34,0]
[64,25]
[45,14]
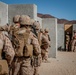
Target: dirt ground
[63,64]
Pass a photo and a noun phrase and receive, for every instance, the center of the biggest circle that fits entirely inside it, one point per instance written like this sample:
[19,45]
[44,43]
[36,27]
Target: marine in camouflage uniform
[15,24]
[9,29]
[45,45]
[74,42]
[7,49]
[23,61]
[67,41]
[39,57]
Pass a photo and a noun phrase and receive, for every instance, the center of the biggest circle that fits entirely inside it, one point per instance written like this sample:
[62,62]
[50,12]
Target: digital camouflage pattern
[16,18]
[24,64]
[45,45]
[74,42]
[9,53]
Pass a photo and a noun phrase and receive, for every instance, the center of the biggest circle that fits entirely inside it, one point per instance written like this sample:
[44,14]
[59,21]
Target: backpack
[20,42]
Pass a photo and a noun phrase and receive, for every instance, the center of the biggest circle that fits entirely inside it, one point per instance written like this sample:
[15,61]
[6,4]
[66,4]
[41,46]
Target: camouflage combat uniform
[39,57]
[8,31]
[24,64]
[74,42]
[47,39]
[15,24]
[7,48]
[67,42]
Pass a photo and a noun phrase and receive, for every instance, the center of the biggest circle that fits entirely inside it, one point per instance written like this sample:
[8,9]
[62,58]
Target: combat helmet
[46,30]
[25,20]
[42,30]
[37,25]
[32,21]
[16,18]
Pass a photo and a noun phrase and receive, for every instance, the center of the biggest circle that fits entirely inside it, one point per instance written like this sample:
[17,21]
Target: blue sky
[59,8]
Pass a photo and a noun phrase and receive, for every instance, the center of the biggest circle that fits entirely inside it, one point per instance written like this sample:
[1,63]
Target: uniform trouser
[36,70]
[37,64]
[67,45]
[74,46]
[22,66]
[45,56]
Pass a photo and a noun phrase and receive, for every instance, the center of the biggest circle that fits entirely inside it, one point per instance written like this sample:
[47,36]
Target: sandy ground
[64,64]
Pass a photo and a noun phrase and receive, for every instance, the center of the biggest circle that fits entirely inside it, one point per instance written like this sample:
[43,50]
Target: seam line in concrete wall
[7,14]
[56,36]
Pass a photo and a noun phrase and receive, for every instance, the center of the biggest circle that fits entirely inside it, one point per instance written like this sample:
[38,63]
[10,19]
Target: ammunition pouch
[28,50]
[44,46]
[37,61]
[19,49]
[4,67]
[43,52]
[32,61]
[35,51]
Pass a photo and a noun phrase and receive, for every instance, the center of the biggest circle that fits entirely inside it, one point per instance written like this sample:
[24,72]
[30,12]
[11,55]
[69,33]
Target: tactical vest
[20,41]
[3,63]
[44,44]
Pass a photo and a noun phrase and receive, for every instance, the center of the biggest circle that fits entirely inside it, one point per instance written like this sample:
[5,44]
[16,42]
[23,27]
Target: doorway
[68,36]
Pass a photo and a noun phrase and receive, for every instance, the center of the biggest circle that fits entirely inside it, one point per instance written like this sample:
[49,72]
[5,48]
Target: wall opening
[68,36]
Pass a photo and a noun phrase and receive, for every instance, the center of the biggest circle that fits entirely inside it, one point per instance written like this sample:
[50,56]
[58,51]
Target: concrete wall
[60,35]
[40,21]
[74,26]
[7,12]
[22,9]
[51,24]
[3,13]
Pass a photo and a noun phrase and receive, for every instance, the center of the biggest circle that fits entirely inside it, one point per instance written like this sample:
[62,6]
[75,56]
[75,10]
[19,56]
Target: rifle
[34,30]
